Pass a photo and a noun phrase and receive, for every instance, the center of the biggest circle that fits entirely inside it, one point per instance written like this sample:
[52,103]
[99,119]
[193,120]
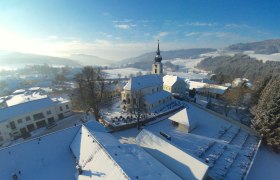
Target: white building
[27,110]
[182,121]
[206,88]
[174,85]
[148,86]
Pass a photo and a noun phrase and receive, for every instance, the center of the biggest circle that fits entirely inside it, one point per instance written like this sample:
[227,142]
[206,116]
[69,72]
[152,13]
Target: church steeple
[157,65]
[158,57]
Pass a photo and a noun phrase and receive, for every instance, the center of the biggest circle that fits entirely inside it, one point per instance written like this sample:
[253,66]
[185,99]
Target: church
[149,86]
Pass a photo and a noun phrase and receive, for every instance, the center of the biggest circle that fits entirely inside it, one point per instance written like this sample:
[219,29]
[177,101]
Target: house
[207,89]
[182,121]
[174,85]
[82,152]
[146,88]
[28,110]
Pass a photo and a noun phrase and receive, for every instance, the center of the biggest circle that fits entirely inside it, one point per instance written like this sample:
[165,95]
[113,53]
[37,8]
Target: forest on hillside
[264,103]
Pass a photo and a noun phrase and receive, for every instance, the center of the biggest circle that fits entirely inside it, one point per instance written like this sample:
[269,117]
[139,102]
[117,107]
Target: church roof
[140,82]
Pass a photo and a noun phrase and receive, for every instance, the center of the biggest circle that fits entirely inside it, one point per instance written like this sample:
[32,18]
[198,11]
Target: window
[67,107]
[41,124]
[13,125]
[60,108]
[28,118]
[49,112]
[38,116]
[19,121]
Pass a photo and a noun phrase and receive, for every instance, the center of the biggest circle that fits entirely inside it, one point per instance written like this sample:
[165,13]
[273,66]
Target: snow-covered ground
[264,57]
[125,72]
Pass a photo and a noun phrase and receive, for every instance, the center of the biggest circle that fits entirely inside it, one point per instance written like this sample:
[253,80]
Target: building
[82,152]
[28,110]
[157,65]
[207,89]
[174,85]
[147,88]
[182,121]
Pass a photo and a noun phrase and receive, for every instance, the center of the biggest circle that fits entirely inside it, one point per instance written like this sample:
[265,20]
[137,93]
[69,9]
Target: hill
[262,47]
[144,61]
[8,58]
[85,59]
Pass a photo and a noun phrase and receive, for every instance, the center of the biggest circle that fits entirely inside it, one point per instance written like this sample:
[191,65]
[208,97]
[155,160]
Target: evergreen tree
[267,114]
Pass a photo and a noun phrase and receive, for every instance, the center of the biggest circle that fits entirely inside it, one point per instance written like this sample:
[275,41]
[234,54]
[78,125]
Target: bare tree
[92,88]
[139,106]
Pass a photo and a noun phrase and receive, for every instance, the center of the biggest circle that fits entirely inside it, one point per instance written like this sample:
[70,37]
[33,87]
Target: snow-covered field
[264,57]
[125,72]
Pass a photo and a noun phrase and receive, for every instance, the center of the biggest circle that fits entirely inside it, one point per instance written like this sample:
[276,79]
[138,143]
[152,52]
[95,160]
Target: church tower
[157,65]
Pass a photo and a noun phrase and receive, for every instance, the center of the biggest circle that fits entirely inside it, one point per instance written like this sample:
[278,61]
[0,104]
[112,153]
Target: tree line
[264,103]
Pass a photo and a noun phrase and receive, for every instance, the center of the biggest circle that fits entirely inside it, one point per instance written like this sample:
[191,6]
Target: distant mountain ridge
[8,58]
[86,59]
[172,54]
[270,46]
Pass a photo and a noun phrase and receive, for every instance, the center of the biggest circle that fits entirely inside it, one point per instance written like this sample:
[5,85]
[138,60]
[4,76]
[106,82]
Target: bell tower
[157,65]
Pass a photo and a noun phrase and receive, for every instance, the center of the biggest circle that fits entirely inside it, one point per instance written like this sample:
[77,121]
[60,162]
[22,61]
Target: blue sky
[119,29]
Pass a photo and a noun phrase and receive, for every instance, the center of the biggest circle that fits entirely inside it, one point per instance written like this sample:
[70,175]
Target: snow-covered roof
[169,80]
[114,160]
[184,165]
[24,97]
[145,81]
[100,155]
[24,108]
[182,118]
[213,88]
[152,98]
[225,145]
[44,158]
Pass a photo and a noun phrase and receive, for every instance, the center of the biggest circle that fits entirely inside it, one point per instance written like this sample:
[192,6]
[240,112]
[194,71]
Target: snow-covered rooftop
[46,157]
[184,165]
[213,88]
[169,80]
[24,97]
[145,81]
[24,108]
[228,149]
[182,118]
[99,154]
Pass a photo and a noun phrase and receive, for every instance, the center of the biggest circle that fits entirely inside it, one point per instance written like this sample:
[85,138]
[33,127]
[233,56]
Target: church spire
[158,51]
[158,57]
